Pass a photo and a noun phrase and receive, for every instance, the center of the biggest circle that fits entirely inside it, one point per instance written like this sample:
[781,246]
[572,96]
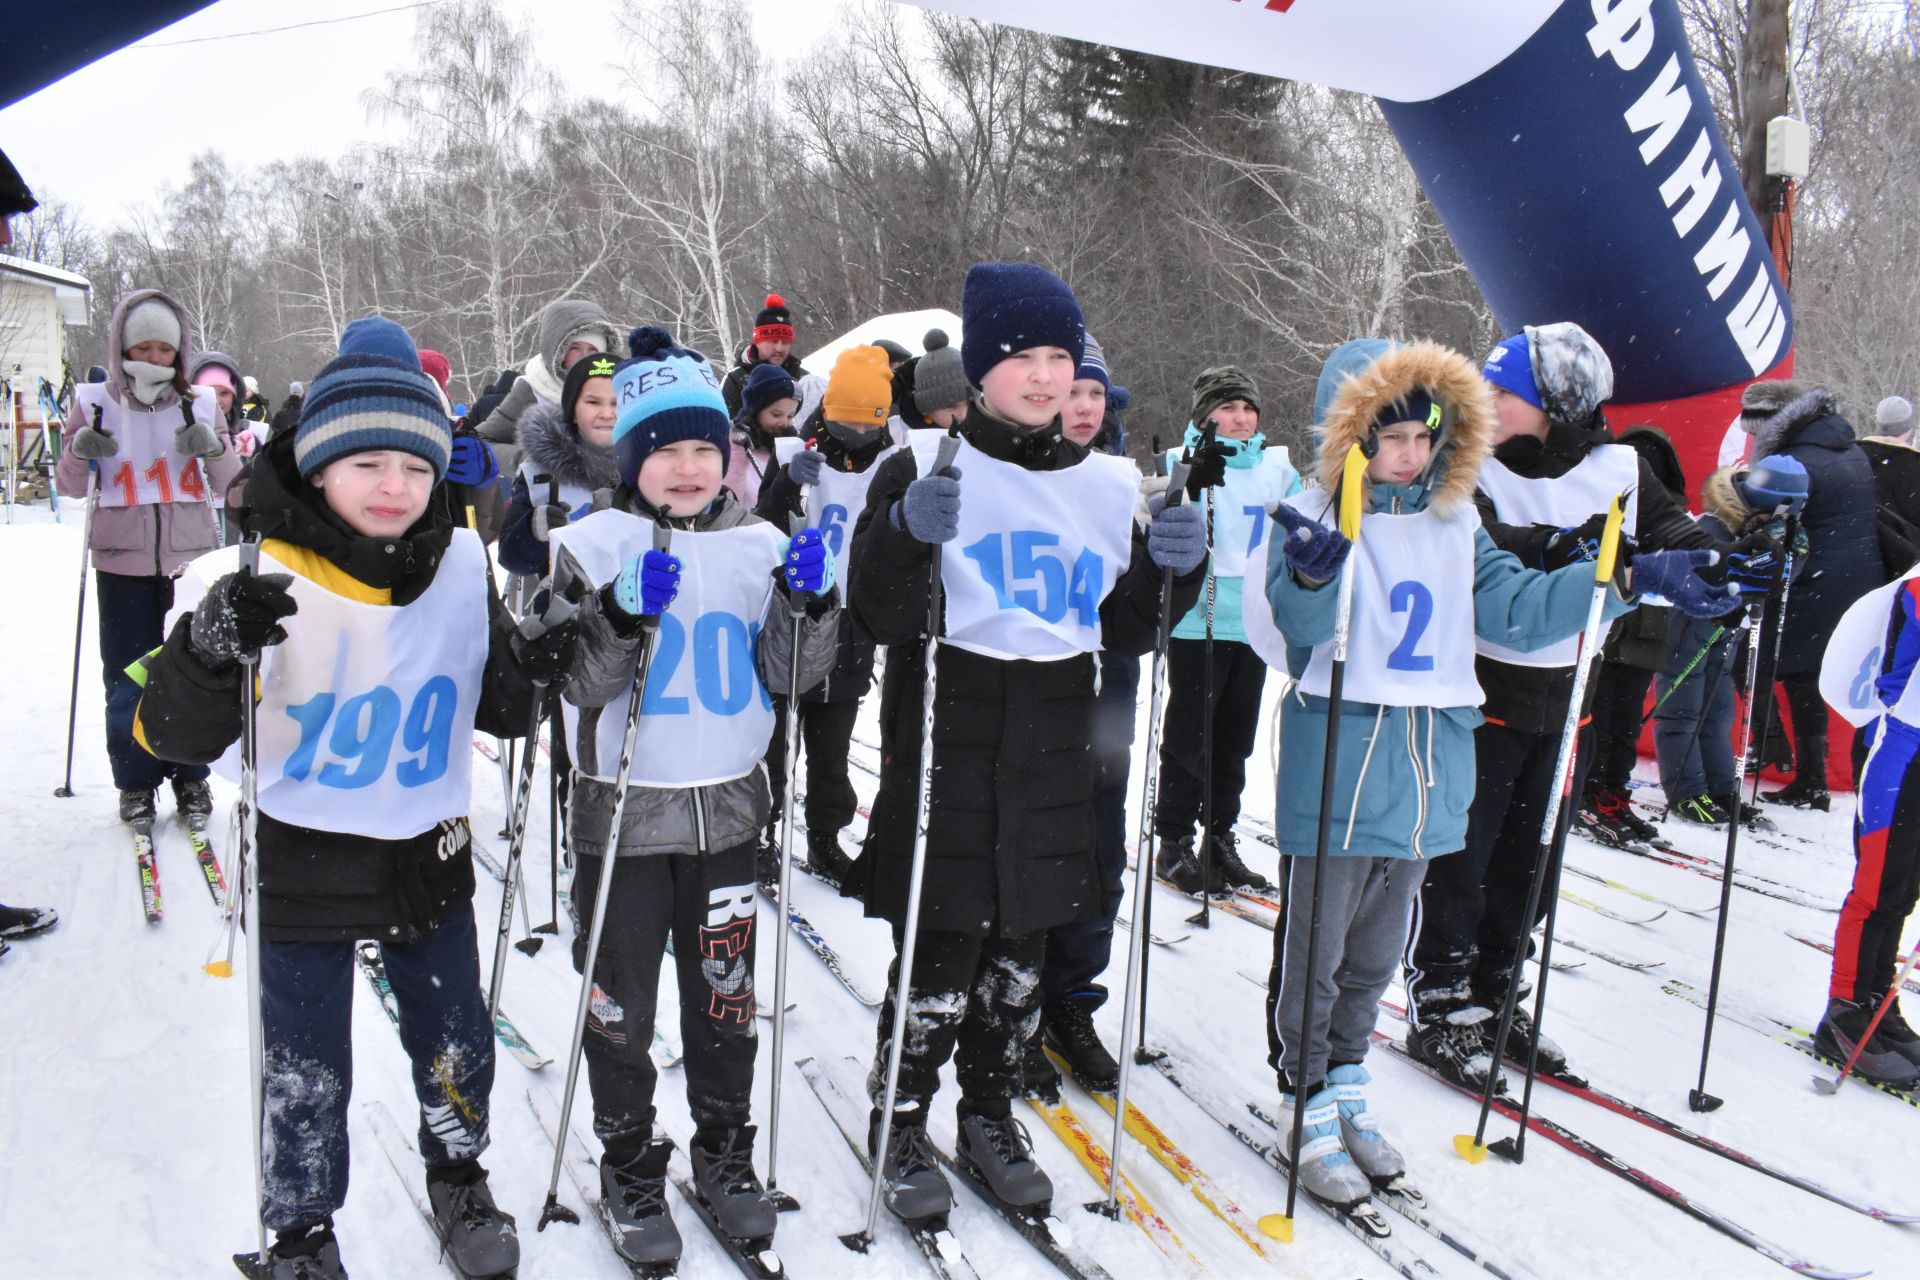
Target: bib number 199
[363,728]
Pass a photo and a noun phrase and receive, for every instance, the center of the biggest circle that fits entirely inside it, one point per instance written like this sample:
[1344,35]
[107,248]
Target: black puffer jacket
[1896,479]
[1010,840]
[325,886]
[1640,638]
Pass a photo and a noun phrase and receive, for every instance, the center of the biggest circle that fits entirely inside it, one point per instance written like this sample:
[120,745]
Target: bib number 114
[1008,563]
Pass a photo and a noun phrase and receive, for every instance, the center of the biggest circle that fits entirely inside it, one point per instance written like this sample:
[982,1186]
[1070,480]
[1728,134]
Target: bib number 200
[359,733]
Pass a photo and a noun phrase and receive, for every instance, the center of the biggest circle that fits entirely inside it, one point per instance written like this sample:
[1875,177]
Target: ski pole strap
[1610,540]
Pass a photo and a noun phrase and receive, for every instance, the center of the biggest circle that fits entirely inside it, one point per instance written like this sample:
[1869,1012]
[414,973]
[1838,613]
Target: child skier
[566,458]
[1429,580]
[931,389]
[834,467]
[155,446]
[1251,479]
[697,798]
[769,402]
[387,647]
[1043,567]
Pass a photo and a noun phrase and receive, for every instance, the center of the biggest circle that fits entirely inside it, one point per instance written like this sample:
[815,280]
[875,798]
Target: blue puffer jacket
[1404,777]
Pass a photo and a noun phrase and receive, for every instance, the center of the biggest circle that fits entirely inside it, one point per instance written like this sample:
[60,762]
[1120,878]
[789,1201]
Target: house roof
[73,292]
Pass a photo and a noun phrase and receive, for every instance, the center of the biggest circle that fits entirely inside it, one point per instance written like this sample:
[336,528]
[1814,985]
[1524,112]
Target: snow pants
[980,996]
[1239,674]
[1364,907]
[1617,704]
[1886,871]
[826,733]
[133,618]
[1693,730]
[706,903]
[306,999]
[1470,931]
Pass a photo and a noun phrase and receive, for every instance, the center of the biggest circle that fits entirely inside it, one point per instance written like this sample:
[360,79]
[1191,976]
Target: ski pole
[1685,671]
[1353,475]
[797,610]
[1133,1018]
[553,1210]
[1827,1086]
[1773,670]
[552,925]
[515,843]
[910,931]
[65,789]
[250,875]
[1203,918]
[1698,1098]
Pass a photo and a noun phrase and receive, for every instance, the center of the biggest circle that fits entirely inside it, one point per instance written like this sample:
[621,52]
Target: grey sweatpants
[1364,912]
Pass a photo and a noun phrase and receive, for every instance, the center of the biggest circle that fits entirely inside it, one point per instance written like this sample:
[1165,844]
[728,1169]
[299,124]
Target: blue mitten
[930,509]
[1314,551]
[1675,576]
[804,469]
[1176,537]
[648,584]
[473,462]
[808,565]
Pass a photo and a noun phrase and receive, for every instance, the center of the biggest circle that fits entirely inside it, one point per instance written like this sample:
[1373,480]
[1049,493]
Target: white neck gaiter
[147,381]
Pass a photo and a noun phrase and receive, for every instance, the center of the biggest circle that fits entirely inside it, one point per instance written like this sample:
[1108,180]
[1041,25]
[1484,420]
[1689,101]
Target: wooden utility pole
[1763,95]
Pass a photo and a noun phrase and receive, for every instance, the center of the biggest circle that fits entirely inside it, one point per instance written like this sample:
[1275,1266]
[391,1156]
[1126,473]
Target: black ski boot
[1070,1031]
[1039,1078]
[1896,1032]
[303,1253]
[1454,1042]
[1607,817]
[1881,1060]
[24,922]
[636,1202]
[480,1239]
[826,859]
[723,1175]
[1178,865]
[1698,811]
[137,809]
[1520,1040]
[1750,816]
[1804,792]
[1000,1154]
[915,1188]
[1637,827]
[1233,872]
[766,859]
[193,798]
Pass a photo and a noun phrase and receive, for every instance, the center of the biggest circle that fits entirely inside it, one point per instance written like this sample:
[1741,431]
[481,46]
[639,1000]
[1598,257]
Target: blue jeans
[133,617]
[1693,730]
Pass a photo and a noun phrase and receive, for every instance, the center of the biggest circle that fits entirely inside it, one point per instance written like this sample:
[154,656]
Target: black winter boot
[1235,873]
[1071,1034]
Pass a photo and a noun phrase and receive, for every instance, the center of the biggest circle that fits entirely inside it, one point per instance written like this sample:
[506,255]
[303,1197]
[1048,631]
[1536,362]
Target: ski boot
[1881,1060]
[1039,1078]
[1521,1037]
[635,1194]
[1233,872]
[1895,1030]
[916,1189]
[480,1239]
[998,1152]
[24,922]
[1698,811]
[137,809]
[723,1175]
[1327,1172]
[826,859]
[1070,1031]
[766,858]
[1359,1134]
[1750,816]
[1637,827]
[1178,865]
[1803,792]
[193,798]
[302,1253]
[1609,819]
[1454,1043]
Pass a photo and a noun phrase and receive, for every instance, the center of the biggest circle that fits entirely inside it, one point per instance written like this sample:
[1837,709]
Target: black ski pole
[554,731]
[1203,918]
[510,886]
[1698,1098]
[65,789]
[1553,835]
[250,880]
[1678,680]
[1785,587]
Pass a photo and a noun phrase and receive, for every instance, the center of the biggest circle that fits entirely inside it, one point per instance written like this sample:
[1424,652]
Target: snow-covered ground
[123,1095]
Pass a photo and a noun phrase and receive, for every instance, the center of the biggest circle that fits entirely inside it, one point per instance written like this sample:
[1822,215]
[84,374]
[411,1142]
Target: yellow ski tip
[220,969]
[1277,1226]
[1472,1151]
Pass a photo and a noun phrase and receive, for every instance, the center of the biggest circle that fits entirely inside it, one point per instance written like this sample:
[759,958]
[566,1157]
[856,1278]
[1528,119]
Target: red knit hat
[773,324]
[435,366]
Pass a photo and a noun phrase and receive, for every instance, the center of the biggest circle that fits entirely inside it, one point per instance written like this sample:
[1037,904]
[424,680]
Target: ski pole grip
[662,539]
[1610,540]
[250,555]
[1353,478]
[1177,483]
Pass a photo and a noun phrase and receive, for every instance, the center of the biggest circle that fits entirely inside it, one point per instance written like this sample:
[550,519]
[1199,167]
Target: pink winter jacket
[157,539]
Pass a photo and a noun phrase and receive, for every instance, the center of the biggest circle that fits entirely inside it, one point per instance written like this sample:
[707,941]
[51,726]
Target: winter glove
[544,642]
[473,463]
[240,616]
[1674,575]
[1176,537]
[1581,545]
[808,565]
[804,469]
[930,510]
[198,440]
[94,443]
[548,518]
[1313,551]
[647,585]
[1207,468]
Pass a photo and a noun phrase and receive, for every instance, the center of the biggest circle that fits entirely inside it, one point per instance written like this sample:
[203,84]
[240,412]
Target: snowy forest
[1201,215]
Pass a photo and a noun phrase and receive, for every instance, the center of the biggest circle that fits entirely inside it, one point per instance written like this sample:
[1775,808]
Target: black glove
[241,616]
[548,518]
[1206,468]
[544,642]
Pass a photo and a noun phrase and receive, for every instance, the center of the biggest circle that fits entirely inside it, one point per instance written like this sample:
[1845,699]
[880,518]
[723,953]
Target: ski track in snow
[123,1095]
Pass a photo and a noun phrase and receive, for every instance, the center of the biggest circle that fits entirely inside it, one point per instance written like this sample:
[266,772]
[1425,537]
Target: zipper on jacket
[700,819]
[1420,780]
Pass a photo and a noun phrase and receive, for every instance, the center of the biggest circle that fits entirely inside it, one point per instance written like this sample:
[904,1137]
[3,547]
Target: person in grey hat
[1894,452]
[931,390]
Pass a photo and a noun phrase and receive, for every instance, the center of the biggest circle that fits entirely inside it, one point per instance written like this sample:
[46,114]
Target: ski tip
[1276,1226]
[219,969]
[1471,1149]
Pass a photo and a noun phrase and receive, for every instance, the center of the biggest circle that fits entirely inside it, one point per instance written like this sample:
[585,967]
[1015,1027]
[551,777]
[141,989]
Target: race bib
[1239,508]
[147,470]
[543,490]
[1256,611]
[834,505]
[1855,654]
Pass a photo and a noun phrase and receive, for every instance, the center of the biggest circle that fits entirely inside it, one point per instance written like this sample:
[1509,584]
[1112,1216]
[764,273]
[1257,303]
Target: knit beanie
[1093,365]
[296,388]
[1894,416]
[896,354]
[214,369]
[1214,387]
[373,395]
[595,364]
[773,324]
[150,321]
[860,387]
[1009,307]
[938,378]
[767,383]
[1509,366]
[665,394]
[436,366]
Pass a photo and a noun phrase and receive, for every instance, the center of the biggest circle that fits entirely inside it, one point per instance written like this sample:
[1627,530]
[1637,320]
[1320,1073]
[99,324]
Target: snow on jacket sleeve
[1526,609]
[188,712]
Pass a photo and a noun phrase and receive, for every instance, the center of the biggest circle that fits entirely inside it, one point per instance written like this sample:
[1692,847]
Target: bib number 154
[1009,563]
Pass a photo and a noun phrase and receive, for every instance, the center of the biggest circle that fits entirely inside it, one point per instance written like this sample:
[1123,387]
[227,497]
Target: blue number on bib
[429,729]
[986,554]
[1860,692]
[1414,599]
[1049,600]
[361,740]
[1083,593]
[668,644]
[833,526]
[1259,514]
[1055,591]
[724,677]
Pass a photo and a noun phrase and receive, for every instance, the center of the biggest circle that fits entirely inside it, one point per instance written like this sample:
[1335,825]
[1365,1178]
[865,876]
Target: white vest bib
[544,490]
[1037,552]
[1240,514]
[1855,653]
[147,470]
[705,717]
[1411,639]
[366,711]
[1561,502]
[834,505]
[1256,612]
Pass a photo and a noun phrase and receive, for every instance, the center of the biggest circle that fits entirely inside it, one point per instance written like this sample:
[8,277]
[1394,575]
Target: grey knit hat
[150,321]
[1894,416]
[939,379]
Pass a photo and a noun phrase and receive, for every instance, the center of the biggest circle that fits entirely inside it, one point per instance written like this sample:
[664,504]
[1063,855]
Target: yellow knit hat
[860,388]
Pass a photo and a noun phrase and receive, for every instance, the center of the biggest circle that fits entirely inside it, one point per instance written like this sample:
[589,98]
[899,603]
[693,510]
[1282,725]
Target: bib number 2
[1413,599]
[1055,591]
[359,733]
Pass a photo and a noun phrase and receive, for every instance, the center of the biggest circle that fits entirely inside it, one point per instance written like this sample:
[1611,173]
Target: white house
[37,304]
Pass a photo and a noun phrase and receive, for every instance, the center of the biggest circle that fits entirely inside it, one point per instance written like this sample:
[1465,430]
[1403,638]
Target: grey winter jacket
[665,820]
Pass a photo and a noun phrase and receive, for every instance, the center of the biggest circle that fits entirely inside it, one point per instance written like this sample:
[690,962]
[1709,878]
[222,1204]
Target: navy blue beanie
[767,383]
[1008,307]
[373,395]
[664,394]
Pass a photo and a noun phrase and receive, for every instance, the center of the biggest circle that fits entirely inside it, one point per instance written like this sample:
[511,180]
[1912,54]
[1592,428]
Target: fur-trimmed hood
[554,448]
[1771,411]
[1720,498]
[1466,433]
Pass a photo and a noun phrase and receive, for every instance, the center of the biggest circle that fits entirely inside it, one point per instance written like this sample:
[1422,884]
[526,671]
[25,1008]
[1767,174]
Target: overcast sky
[110,136]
